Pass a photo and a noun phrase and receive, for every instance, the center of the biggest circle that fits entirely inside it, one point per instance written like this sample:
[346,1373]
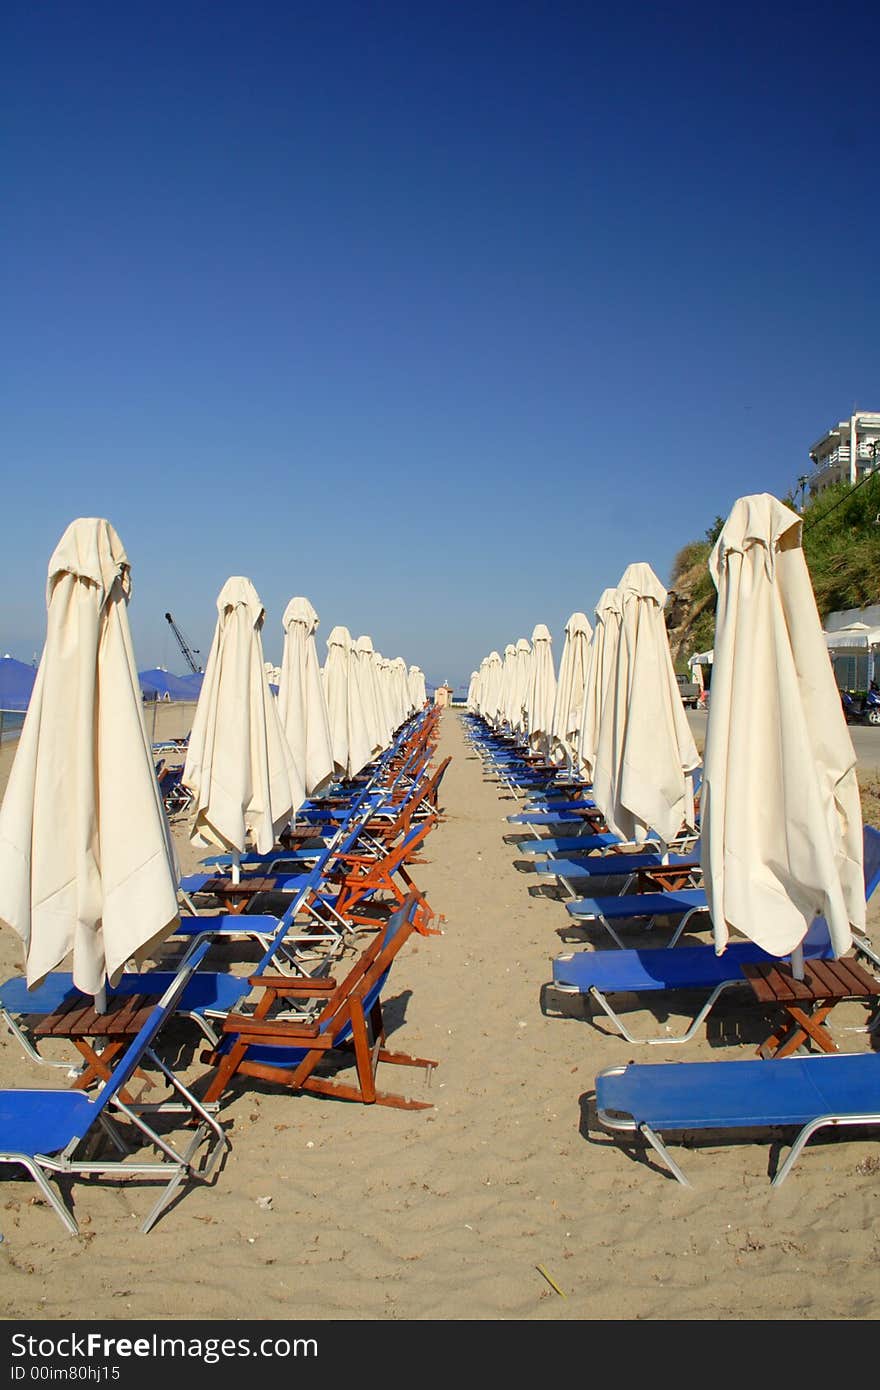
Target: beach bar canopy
[157,684]
[852,636]
[16,683]
[853,629]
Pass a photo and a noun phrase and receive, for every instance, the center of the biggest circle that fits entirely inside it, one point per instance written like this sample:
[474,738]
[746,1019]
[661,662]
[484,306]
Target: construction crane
[190,653]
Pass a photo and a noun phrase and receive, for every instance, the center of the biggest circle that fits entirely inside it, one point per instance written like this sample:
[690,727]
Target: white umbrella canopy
[645,754]
[401,689]
[302,703]
[781,839]
[521,684]
[239,766]
[418,693]
[480,687]
[492,696]
[348,726]
[603,651]
[473,692]
[378,730]
[385,692]
[87,864]
[570,687]
[541,695]
[508,684]
[392,695]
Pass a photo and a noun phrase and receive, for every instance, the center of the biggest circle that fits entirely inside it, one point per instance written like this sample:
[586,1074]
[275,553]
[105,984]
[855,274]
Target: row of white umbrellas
[781,823]
[518,692]
[87,863]
[614,713]
[253,760]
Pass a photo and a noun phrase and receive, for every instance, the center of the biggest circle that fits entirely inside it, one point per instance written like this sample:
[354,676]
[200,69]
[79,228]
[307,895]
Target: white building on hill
[847,451]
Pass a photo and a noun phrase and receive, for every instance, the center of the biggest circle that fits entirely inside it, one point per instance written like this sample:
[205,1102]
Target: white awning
[858,637]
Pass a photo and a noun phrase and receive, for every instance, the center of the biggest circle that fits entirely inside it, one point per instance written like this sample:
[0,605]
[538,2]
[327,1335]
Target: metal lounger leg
[660,1148]
[692,1027]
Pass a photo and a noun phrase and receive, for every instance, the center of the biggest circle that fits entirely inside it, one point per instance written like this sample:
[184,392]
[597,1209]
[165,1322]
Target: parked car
[689,691]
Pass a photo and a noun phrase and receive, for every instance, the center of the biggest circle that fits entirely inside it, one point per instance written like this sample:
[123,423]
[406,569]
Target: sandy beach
[503,1202]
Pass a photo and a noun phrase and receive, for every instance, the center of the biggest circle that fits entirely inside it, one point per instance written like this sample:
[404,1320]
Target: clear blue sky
[437,314]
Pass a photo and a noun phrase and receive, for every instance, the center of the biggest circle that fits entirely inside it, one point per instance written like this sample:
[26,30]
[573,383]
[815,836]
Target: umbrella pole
[236,866]
[797,963]
[101,1000]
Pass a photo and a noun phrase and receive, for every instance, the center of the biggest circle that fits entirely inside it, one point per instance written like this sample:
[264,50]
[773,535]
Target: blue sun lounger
[684,904]
[327,928]
[572,813]
[587,843]
[600,973]
[571,844]
[559,815]
[553,800]
[622,866]
[193,884]
[207,994]
[43,1131]
[207,997]
[273,1049]
[808,1094]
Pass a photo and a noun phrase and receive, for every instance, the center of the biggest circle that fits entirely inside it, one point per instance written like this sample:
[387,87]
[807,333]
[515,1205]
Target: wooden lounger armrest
[253,1029]
[287,984]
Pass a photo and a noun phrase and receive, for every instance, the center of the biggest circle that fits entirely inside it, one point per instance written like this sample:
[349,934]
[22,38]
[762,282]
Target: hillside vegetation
[841,539]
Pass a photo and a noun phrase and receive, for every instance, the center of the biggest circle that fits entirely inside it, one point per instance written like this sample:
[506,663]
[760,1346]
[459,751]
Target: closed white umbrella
[348,728]
[781,814]
[378,729]
[494,672]
[87,864]
[603,651]
[473,692]
[481,685]
[570,687]
[401,690]
[302,703]
[245,782]
[541,695]
[392,694]
[416,683]
[646,754]
[384,692]
[521,685]
[508,684]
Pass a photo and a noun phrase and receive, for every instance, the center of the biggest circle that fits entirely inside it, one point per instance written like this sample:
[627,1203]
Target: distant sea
[10,725]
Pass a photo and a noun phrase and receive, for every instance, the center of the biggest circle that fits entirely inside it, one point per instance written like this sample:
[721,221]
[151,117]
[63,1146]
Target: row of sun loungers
[327,912]
[659,891]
